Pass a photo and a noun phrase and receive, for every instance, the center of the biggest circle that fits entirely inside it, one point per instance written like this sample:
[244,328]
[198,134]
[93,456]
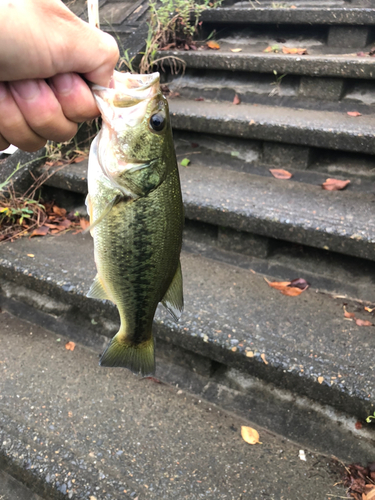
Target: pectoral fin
[173,300]
[97,291]
[105,212]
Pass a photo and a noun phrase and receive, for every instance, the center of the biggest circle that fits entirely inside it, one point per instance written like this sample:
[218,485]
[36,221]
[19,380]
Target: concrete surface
[72,430]
[231,316]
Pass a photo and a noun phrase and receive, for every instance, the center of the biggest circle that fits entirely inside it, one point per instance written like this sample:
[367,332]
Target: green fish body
[136,215]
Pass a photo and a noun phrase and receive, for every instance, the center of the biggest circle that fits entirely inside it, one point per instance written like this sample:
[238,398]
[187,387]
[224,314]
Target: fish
[136,215]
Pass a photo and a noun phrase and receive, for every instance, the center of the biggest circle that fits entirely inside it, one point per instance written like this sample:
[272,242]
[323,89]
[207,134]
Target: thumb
[106,56]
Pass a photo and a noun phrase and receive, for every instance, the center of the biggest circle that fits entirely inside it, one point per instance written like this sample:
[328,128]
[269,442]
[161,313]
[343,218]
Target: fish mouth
[127,89]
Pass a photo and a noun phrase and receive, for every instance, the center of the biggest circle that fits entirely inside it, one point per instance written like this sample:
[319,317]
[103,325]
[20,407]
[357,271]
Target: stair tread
[324,65]
[303,14]
[327,129]
[231,315]
[340,221]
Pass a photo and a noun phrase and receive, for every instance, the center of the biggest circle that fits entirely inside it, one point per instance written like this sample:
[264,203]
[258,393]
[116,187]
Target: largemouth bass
[136,215]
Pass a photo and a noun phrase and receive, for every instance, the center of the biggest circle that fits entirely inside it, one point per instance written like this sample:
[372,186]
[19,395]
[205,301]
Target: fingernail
[63,83]
[26,89]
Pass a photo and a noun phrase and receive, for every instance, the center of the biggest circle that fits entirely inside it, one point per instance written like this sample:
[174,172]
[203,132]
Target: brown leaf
[287,288]
[84,223]
[40,231]
[213,45]
[348,314]
[199,99]
[369,309]
[299,51]
[236,99]
[363,322]
[358,425]
[70,346]
[334,184]
[59,211]
[354,113]
[78,159]
[250,435]
[279,173]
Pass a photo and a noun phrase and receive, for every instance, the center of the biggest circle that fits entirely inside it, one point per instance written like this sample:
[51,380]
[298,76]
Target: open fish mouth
[127,89]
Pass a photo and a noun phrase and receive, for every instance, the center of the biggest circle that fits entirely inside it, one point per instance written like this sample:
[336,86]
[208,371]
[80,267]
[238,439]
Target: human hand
[43,41]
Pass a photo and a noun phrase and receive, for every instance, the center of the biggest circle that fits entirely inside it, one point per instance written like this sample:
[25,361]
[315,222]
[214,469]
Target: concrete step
[73,430]
[232,317]
[256,61]
[293,91]
[291,211]
[330,130]
[281,13]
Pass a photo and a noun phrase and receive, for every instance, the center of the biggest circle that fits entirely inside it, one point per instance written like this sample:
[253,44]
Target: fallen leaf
[358,425]
[213,45]
[69,346]
[84,223]
[250,435]
[40,231]
[185,162]
[249,354]
[299,51]
[235,50]
[59,211]
[334,184]
[320,380]
[363,322]
[236,100]
[348,314]
[361,54]
[30,255]
[354,113]
[78,159]
[368,309]
[272,48]
[263,356]
[252,122]
[287,288]
[199,99]
[279,173]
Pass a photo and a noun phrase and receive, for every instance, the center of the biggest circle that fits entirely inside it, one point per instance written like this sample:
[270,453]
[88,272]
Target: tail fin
[137,358]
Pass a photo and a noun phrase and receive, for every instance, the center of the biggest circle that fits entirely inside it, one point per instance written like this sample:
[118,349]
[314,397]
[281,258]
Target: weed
[277,83]
[173,24]
[370,417]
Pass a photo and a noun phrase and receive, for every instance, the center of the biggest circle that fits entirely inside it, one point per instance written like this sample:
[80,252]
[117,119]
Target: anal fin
[173,300]
[97,291]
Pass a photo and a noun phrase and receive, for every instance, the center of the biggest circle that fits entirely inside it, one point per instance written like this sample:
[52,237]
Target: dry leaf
[40,231]
[289,288]
[30,255]
[236,100]
[235,50]
[272,48]
[320,380]
[213,45]
[78,159]
[362,322]
[299,51]
[334,184]
[263,356]
[279,173]
[368,309]
[84,224]
[354,113]
[250,435]
[59,211]
[199,99]
[348,314]
[249,354]
[69,346]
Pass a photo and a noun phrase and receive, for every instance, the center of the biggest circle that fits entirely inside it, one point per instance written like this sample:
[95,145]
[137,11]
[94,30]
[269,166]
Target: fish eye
[157,122]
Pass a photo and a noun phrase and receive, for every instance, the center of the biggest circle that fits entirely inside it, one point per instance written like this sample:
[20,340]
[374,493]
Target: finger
[13,126]
[75,97]
[103,72]
[41,110]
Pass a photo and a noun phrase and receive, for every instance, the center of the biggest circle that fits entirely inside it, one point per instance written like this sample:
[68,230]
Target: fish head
[136,126]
